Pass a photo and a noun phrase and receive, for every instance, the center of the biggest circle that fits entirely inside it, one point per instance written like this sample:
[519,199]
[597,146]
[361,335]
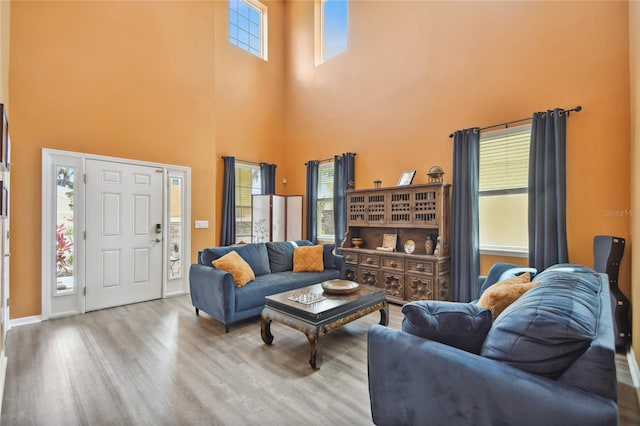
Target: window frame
[264,33]
[330,165]
[319,33]
[253,168]
[501,249]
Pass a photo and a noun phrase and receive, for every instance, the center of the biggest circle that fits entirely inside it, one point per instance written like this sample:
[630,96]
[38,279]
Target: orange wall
[249,107]
[139,80]
[158,81]
[416,71]
[634,59]
[5,25]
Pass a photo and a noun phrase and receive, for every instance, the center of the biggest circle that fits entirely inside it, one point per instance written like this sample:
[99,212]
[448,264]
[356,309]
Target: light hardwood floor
[157,363]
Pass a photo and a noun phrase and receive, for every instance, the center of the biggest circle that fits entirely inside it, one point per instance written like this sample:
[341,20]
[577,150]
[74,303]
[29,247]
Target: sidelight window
[65,248]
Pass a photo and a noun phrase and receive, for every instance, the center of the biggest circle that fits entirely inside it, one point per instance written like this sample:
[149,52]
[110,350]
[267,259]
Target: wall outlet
[202,224]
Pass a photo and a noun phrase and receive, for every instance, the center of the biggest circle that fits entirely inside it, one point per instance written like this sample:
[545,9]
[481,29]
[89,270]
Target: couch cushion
[254,254]
[253,295]
[328,257]
[550,326]
[461,325]
[308,259]
[237,267]
[505,292]
[502,271]
[280,255]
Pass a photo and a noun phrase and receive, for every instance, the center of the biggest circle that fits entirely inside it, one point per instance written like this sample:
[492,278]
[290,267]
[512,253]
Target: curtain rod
[243,161]
[326,160]
[506,124]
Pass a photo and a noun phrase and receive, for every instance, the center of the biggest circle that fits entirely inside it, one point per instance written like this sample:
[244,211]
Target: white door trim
[48,254]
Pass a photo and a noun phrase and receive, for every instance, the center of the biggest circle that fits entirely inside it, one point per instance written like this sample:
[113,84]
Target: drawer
[393,284]
[421,266]
[369,260]
[392,263]
[350,258]
[369,276]
[420,288]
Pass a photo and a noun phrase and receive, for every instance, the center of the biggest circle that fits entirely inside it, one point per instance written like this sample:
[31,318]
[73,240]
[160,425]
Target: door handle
[157,240]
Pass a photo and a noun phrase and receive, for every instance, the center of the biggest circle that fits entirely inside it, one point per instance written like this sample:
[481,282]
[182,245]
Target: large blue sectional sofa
[547,359]
[214,292]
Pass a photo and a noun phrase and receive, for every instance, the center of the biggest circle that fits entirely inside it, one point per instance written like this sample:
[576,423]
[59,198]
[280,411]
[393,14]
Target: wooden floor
[156,363]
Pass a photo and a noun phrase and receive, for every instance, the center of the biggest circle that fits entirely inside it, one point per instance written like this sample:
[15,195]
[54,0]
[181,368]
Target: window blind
[504,159]
[325,181]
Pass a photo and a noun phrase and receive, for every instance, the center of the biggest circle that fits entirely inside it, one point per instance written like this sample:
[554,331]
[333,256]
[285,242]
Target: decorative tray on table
[339,287]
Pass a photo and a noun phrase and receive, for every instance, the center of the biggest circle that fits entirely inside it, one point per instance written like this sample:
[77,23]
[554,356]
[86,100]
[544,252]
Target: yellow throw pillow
[308,259]
[503,293]
[237,267]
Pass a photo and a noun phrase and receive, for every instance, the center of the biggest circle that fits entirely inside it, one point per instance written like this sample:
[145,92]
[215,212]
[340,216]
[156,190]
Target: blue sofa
[214,292]
[547,359]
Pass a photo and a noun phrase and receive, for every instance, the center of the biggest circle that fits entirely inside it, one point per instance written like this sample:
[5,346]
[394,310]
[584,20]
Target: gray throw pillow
[461,325]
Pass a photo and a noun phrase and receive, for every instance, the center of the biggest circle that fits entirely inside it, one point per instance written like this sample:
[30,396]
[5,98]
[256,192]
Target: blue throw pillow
[461,325]
[280,256]
[502,271]
[254,254]
[328,258]
[550,326]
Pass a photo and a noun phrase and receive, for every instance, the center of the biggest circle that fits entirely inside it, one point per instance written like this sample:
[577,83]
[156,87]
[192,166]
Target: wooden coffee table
[320,318]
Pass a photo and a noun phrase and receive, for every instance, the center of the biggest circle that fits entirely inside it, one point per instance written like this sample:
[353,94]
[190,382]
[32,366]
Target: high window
[326,230]
[330,29]
[503,198]
[248,26]
[247,184]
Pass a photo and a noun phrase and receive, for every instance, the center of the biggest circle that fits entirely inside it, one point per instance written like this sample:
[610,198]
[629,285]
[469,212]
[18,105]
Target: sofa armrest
[414,380]
[213,291]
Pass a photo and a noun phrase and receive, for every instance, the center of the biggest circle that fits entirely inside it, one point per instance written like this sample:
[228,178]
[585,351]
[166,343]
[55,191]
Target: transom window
[326,230]
[248,26]
[330,29]
[247,184]
[503,198]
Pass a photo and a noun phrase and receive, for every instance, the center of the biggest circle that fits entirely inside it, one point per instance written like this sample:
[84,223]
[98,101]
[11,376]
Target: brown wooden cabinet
[411,213]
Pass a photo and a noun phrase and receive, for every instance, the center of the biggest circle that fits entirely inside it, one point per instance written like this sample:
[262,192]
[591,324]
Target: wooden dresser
[412,213]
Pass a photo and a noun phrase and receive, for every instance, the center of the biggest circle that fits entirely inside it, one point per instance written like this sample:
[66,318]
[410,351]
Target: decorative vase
[436,252]
[357,242]
[428,245]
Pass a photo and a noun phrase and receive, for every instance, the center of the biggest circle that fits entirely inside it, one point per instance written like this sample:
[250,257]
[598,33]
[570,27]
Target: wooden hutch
[412,213]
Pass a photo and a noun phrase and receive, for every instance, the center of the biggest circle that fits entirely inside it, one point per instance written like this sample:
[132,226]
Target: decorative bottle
[428,245]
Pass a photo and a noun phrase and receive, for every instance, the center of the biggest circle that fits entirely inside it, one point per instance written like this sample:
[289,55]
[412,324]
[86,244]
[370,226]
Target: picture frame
[4,200]
[389,241]
[5,142]
[406,178]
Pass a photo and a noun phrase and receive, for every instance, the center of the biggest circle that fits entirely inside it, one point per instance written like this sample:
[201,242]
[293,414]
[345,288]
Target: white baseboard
[634,370]
[25,321]
[175,293]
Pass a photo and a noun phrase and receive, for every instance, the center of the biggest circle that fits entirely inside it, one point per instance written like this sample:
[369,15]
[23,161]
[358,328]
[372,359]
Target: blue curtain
[465,257]
[547,189]
[312,201]
[343,173]
[228,231]
[268,178]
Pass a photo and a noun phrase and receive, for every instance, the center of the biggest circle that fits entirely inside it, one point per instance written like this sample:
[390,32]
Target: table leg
[384,314]
[315,346]
[265,330]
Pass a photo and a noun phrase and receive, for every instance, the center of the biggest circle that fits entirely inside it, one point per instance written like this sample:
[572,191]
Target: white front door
[124,234]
